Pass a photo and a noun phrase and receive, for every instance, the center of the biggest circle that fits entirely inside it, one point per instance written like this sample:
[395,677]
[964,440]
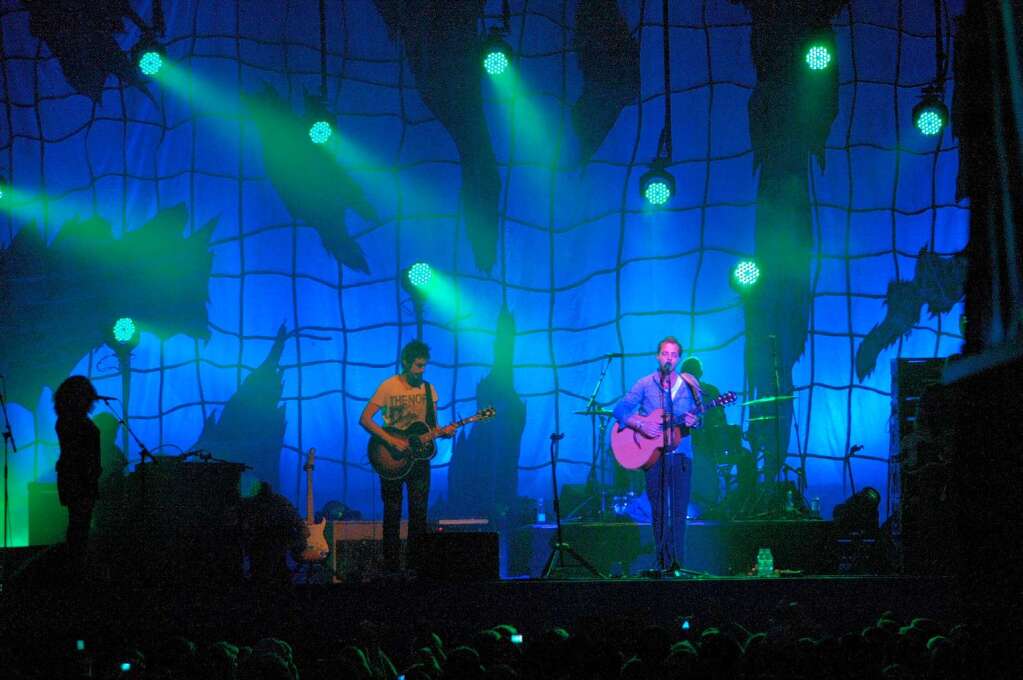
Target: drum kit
[728,494]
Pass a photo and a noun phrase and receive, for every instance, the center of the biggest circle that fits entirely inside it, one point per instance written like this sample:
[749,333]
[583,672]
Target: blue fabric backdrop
[581,264]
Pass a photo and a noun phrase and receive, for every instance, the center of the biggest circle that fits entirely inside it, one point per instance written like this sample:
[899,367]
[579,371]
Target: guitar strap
[431,415]
[694,389]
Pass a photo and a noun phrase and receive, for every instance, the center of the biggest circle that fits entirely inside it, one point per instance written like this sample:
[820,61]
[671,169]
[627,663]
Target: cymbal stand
[559,548]
[597,479]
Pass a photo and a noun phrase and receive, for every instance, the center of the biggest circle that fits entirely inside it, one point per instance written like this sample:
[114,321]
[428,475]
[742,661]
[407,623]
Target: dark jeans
[667,487]
[79,519]
[391,491]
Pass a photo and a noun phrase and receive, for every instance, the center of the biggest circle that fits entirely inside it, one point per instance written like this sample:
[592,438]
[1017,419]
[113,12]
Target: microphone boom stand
[559,548]
[141,468]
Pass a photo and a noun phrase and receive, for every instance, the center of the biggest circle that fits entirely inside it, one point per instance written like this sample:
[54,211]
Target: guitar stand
[559,548]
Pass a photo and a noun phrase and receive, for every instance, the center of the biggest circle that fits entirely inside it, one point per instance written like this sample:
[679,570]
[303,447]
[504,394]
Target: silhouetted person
[272,528]
[78,468]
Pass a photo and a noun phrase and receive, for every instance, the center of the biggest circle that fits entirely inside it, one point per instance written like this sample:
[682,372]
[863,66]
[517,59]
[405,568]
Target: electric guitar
[634,450]
[390,463]
[316,548]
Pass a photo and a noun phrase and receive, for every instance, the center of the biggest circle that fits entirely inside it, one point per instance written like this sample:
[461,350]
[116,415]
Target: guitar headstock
[310,459]
[484,414]
[726,398]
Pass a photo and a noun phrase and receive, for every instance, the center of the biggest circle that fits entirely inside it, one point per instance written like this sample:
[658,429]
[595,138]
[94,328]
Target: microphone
[615,355]
[103,397]
[666,368]
[855,448]
[556,436]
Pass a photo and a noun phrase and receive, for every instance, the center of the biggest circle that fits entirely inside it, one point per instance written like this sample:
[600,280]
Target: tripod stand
[8,438]
[559,548]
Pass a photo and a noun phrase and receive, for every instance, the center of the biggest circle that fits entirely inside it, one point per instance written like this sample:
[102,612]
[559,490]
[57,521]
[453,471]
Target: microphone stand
[560,547]
[8,437]
[667,421]
[599,457]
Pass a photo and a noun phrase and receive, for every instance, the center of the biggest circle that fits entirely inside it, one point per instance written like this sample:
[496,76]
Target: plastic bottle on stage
[765,562]
[815,508]
[541,514]
[790,505]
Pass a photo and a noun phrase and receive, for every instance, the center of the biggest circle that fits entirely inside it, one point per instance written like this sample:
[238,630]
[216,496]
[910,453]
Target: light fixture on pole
[495,52]
[149,54]
[657,185]
[930,115]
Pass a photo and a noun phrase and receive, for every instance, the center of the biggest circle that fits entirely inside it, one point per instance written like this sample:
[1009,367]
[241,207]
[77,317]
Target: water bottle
[790,505]
[765,562]
[815,507]
[541,514]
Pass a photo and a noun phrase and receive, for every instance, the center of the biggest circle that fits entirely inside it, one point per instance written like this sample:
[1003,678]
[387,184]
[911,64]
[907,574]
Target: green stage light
[320,131]
[150,63]
[930,114]
[124,330]
[818,57]
[496,53]
[419,275]
[495,63]
[657,184]
[657,192]
[745,275]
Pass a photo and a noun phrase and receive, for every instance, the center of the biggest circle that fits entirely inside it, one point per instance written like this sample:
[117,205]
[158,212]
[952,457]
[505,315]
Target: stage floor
[36,609]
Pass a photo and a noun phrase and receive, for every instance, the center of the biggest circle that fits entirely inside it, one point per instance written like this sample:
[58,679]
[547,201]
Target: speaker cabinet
[458,556]
[357,549]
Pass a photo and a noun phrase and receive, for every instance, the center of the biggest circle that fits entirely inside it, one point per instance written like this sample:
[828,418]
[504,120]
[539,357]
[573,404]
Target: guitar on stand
[633,450]
[316,549]
[391,464]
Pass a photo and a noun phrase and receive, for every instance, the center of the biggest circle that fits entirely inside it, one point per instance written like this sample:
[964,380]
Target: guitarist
[402,400]
[668,480]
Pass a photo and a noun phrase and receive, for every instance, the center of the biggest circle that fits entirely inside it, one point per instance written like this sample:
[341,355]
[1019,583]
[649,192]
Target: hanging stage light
[818,57]
[125,331]
[416,281]
[657,184]
[930,113]
[744,276]
[149,54]
[320,131]
[496,53]
[319,117]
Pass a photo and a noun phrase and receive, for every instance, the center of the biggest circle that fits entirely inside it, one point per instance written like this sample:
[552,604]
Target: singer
[668,480]
[78,467]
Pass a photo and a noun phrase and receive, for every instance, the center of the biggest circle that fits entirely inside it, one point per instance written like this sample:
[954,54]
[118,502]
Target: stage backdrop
[264,273]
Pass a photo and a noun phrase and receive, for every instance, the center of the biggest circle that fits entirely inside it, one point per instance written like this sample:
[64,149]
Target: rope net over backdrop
[582,267]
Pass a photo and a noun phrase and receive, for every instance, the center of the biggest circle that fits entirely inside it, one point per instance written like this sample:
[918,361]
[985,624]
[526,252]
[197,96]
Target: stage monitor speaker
[459,556]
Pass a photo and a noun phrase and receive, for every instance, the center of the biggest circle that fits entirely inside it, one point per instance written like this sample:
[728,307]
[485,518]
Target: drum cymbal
[769,400]
[759,418]
[595,412]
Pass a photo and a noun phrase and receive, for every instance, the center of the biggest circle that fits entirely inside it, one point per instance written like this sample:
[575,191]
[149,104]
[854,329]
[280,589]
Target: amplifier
[357,549]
